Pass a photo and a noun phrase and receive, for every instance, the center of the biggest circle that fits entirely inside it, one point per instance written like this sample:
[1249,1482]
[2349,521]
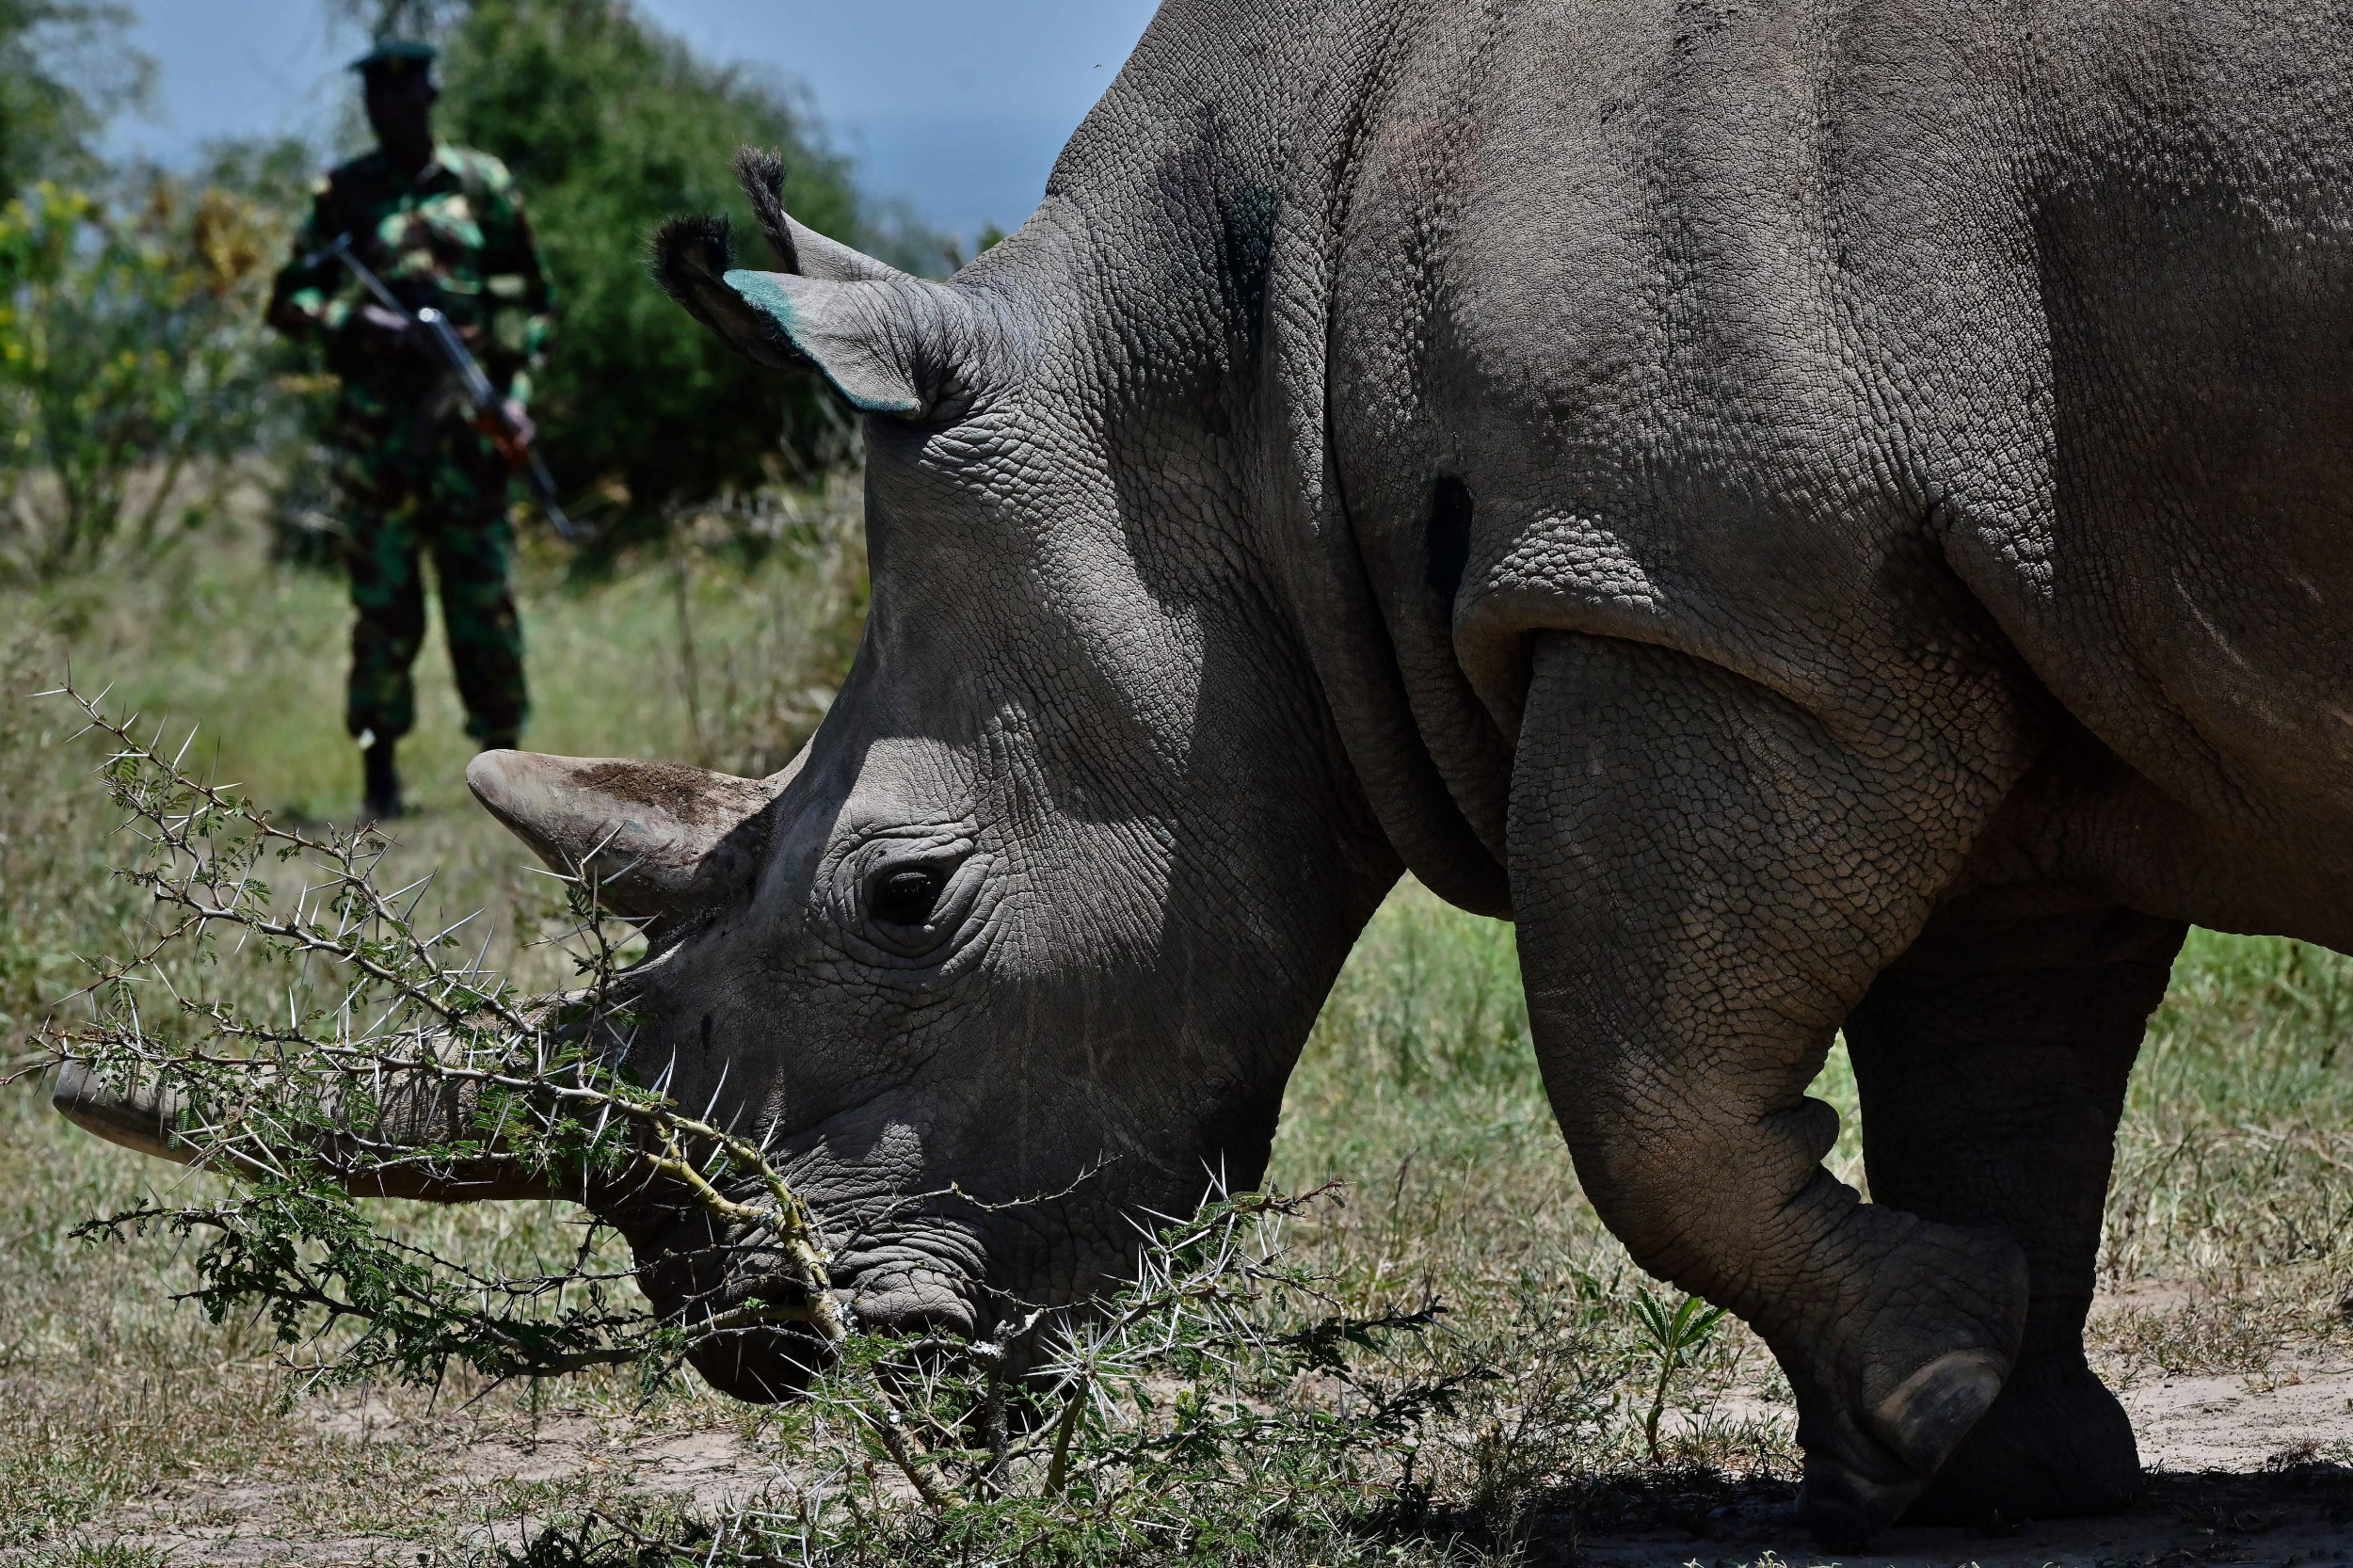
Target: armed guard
[420,473]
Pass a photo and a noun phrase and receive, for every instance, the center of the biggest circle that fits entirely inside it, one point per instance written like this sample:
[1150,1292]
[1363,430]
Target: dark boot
[381,797]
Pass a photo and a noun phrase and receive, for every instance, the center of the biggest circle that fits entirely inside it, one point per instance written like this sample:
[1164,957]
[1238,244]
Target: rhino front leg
[1706,880]
[1992,1059]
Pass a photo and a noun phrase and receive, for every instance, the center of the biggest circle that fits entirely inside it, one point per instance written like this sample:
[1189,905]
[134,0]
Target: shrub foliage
[610,127]
[131,350]
[63,70]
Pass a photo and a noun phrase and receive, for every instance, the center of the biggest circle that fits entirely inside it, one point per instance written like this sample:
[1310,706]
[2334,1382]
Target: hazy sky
[956,105]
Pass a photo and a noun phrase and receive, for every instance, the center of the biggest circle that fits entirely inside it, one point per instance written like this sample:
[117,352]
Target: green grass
[121,1411]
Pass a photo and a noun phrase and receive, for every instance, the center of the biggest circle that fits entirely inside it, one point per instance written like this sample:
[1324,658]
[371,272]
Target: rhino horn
[888,343]
[408,1109]
[661,839]
[140,1117]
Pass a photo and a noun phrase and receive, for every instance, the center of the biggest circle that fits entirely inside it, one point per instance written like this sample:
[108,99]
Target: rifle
[448,346]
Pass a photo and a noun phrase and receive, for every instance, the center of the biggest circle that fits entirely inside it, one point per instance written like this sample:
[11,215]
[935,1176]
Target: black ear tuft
[690,258]
[761,173]
[690,254]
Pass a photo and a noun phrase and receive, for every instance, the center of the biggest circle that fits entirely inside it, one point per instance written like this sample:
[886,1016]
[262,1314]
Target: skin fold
[1830,516]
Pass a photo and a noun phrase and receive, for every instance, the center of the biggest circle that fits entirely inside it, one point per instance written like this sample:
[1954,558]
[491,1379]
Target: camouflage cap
[396,54]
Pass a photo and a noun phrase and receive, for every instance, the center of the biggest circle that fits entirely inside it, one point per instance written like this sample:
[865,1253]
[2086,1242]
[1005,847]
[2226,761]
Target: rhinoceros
[1830,516]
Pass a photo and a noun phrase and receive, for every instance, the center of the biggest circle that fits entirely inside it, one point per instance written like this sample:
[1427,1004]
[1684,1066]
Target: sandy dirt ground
[229,1525]
[2242,1471]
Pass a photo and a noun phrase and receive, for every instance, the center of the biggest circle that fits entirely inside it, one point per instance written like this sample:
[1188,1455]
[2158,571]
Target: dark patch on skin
[706,1033]
[1448,537]
[1247,224]
[1222,219]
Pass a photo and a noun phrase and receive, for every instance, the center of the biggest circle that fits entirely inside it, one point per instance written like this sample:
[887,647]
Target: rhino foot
[1928,1418]
[1842,1509]
[2055,1445]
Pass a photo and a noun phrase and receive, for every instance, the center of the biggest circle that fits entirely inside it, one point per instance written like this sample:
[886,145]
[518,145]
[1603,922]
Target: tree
[612,126]
[63,71]
[130,350]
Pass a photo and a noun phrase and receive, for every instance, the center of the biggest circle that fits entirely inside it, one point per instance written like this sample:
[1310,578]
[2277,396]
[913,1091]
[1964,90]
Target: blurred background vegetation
[610,128]
[62,72]
[138,389]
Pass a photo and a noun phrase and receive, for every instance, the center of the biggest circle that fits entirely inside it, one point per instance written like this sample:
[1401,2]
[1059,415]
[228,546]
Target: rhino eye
[905,897]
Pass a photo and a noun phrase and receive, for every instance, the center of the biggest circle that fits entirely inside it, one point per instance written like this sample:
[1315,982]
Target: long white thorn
[714,1105]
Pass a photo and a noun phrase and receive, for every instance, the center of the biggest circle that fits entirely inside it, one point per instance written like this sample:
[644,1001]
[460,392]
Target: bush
[129,351]
[1222,1403]
[611,127]
[63,69]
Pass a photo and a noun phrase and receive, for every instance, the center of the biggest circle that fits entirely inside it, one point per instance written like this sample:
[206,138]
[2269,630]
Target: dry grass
[125,1418]
[118,1406]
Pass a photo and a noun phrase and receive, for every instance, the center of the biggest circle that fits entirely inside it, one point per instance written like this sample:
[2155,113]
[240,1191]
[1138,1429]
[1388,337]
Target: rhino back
[1920,363]
[2183,585]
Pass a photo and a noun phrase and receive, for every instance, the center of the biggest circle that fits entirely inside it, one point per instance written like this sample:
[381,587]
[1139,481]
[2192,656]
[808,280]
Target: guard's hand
[513,433]
[388,329]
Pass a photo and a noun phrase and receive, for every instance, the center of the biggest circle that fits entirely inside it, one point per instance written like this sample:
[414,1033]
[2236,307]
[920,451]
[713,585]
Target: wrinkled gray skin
[1830,515]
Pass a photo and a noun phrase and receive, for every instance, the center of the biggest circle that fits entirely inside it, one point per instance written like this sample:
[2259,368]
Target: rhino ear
[888,343]
[878,343]
[661,839]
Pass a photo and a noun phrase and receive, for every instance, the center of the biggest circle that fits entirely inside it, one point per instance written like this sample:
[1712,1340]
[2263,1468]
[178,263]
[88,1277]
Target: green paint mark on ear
[761,290]
[857,369]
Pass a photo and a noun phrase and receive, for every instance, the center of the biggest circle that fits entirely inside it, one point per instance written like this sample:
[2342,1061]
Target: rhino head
[1023,944]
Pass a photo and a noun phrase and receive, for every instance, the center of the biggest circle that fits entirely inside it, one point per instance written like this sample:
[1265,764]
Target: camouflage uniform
[416,473]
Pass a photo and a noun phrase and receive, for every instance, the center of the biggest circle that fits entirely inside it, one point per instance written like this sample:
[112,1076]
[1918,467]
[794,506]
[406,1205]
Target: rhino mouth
[769,1365]
[733,1297]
